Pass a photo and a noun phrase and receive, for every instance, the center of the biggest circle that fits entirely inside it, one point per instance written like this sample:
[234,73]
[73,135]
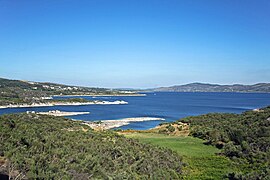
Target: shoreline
[110,124]
[64,104]
[94,95]
[59,113]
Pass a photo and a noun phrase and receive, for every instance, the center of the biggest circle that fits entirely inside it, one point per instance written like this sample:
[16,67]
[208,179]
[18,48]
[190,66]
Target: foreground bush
[45,147]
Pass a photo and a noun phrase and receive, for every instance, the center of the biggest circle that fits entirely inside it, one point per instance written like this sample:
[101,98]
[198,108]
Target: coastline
[110,124]
[59,113]
[63,104]
[94,95]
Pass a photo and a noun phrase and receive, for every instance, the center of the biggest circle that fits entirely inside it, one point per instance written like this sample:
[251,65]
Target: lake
[168,105]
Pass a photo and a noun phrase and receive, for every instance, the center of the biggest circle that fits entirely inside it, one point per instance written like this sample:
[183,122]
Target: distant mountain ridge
[205,87]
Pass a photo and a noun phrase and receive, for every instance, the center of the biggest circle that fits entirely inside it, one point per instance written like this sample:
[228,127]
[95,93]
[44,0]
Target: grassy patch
[202,161]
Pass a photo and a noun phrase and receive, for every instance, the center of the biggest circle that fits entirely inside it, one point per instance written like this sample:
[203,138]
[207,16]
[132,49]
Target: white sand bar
[62,113]
[109,124]
[62,104]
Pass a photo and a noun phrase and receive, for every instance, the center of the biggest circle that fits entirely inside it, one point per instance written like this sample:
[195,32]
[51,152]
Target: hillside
[202,87]
[241,143]
[244,138]
[46,147]
[236,146]
[45,88]
[17,91]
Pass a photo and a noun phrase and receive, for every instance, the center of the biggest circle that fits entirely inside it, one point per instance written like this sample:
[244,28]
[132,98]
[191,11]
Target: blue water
[170,106]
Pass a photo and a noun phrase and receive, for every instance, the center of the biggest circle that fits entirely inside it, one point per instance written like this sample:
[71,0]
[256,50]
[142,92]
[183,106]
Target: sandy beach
[109,124]
[63,104]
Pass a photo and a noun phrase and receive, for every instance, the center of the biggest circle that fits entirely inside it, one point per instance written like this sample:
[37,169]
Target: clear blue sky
[135,43]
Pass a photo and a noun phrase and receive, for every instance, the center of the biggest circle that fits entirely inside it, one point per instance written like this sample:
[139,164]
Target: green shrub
[170,128]
[46,147]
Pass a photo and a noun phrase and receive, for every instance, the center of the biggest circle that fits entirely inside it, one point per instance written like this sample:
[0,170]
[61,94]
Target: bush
[46,147]
[170,128]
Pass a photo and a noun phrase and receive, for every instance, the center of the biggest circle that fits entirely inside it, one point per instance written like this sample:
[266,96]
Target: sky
[135,43]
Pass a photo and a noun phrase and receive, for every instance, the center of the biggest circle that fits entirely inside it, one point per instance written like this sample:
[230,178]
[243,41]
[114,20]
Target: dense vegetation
[20,92]
[244,138]
[47,147]
[74,100]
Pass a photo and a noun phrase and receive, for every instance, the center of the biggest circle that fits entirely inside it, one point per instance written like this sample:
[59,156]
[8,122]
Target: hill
[46,147]
[46,88]
[202,87]
[19,92]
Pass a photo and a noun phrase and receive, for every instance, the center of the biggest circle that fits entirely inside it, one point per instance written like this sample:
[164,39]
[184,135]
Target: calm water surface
[170,106]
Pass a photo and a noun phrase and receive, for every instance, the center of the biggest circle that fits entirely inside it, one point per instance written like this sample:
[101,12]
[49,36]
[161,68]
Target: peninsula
[110,124]
[67,103]
[18,93]
[59,113]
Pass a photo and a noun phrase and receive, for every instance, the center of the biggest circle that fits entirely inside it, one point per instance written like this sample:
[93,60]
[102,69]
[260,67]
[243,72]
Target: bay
[168,105]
